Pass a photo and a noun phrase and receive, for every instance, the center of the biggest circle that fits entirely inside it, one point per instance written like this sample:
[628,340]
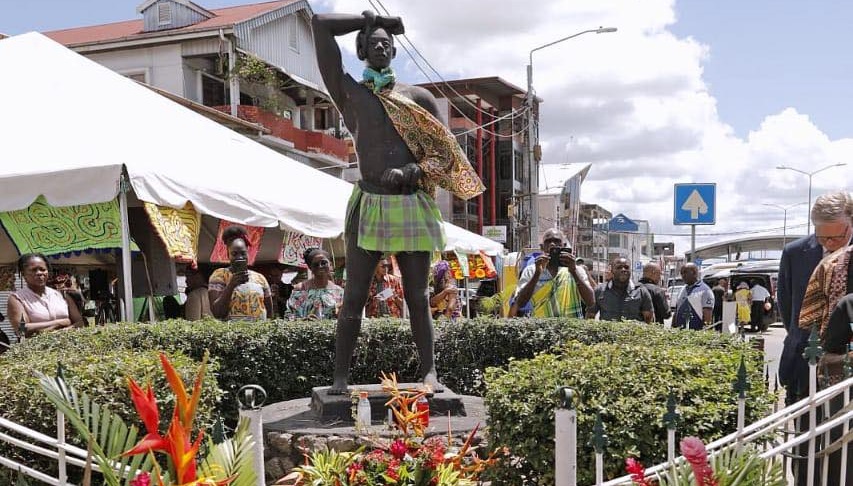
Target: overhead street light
[530,128]
[810,175]
[785,220]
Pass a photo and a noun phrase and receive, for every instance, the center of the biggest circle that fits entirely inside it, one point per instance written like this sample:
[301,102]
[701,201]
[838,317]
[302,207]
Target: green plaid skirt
[396,222]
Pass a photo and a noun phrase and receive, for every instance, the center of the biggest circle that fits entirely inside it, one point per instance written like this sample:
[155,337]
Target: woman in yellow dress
[743,297]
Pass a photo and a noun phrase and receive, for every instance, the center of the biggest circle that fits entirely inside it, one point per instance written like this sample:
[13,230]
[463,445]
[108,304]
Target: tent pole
[125,249]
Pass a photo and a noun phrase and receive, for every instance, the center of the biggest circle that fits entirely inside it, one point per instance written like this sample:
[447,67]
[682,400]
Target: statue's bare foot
[338,388]
[432,383]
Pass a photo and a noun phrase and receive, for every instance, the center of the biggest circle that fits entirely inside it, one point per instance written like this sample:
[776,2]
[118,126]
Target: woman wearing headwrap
[318,297]
[444,300]
[237,293]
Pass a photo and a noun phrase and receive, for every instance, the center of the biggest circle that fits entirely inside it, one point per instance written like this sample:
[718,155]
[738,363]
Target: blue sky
[765,55]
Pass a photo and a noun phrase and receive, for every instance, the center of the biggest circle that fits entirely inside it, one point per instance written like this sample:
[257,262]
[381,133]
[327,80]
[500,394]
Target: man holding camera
[619,299]
[553,284]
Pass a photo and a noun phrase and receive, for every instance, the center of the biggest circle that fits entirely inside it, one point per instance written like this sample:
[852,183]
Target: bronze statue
[404,152]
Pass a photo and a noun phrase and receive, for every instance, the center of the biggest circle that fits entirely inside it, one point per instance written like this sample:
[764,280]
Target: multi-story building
[255,61]
[486,116]
[593,238]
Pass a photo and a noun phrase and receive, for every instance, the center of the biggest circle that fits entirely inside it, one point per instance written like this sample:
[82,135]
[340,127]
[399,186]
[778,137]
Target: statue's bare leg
[414,267]
[361,265]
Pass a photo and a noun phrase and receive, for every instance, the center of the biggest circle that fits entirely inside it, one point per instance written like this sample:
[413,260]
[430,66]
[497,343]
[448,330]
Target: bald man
[651,281]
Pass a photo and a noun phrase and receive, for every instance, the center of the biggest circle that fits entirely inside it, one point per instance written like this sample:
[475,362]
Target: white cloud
[633,103]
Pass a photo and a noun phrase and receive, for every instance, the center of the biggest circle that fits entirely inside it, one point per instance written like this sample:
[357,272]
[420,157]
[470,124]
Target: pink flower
[143,479]
[694,451]
[398,449]
[637,471]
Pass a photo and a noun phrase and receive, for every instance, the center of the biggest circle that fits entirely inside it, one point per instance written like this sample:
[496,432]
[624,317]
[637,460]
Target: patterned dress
[388,307]
[247,300]
[306,301]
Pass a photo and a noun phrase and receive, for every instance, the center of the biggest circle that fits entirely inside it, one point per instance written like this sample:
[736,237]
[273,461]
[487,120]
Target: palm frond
[105,431]
[232,458]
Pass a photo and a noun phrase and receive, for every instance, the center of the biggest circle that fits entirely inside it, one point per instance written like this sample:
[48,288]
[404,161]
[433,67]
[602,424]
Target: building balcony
[304,140]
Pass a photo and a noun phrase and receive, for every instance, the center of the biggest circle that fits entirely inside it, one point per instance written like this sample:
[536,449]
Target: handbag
[830,368]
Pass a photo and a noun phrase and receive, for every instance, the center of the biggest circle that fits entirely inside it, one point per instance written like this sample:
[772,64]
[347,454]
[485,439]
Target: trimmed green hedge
[628,383]
[289,358]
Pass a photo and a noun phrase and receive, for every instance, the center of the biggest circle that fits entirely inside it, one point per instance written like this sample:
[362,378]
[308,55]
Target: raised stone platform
[331,408]
[294,426]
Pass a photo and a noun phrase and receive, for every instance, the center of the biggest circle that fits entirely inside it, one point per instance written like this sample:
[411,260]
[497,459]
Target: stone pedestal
[325,421]
[339,407]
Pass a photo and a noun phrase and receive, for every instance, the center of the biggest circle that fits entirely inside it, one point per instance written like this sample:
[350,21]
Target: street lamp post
[531,132]
[810,175]
[785,218]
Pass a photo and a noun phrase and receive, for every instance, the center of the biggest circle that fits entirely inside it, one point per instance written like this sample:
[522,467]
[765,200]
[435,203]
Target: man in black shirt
[650,280]
[619,299]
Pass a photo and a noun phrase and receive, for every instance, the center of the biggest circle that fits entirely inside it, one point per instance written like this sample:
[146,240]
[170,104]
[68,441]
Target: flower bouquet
[122,460]
[407,459]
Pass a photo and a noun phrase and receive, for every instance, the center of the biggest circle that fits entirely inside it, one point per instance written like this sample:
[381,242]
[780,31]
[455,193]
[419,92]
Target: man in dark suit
[832,216]
[832,225]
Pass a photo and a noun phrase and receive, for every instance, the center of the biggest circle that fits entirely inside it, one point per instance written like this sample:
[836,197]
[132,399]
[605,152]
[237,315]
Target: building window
[293,33]
[164,13]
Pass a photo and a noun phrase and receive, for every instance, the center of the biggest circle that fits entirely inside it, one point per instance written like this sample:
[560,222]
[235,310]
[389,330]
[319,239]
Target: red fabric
[220,252]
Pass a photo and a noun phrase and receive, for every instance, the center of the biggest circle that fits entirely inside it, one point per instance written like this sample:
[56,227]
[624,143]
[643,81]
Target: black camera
[554,253]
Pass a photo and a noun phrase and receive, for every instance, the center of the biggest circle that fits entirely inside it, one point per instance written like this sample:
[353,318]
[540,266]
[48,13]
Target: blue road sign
[695,204]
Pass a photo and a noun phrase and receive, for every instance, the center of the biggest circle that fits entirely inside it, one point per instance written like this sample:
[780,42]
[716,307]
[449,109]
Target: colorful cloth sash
[178,229]
[42,228]
[558,297]
[433,146]
[220,251]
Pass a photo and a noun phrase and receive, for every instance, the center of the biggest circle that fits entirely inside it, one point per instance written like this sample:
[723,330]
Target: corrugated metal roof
[132,29]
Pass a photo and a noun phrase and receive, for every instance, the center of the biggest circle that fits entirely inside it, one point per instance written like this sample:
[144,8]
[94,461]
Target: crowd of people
[552,283]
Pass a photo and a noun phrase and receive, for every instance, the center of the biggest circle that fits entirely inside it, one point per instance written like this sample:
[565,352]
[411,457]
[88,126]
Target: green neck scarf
[378,80]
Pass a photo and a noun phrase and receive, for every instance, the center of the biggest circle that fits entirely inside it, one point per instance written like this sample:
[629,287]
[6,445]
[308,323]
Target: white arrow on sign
[695,204]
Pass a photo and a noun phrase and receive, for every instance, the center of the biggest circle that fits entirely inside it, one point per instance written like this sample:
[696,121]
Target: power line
[448,98]
[412,44]
[726,233]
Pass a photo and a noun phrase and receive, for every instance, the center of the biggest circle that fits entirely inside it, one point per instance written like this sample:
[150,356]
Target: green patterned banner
[50,230]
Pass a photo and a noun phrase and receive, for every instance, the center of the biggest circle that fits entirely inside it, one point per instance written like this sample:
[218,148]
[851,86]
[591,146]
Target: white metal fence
[775,434]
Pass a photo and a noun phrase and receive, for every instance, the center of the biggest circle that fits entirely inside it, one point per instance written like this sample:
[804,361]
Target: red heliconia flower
[398,449]
[146,407]
[693,449]
[177,443]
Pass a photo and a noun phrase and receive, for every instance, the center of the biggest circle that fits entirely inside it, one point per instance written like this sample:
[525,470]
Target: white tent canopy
[464,241]
[70,124]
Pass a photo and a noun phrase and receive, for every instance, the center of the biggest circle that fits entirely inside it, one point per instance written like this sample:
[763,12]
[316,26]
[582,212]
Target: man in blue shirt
[696,302]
